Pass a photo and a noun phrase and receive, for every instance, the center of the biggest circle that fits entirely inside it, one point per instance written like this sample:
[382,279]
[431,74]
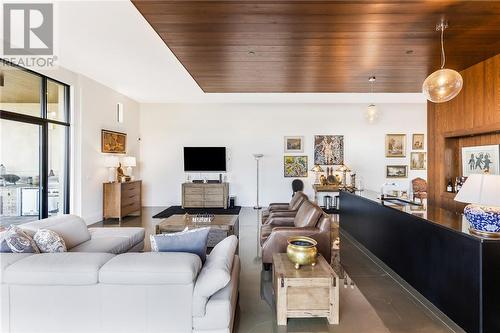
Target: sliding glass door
[34,146]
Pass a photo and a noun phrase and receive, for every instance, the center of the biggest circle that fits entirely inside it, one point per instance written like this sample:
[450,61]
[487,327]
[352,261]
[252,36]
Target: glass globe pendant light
[444,84]
[372,111]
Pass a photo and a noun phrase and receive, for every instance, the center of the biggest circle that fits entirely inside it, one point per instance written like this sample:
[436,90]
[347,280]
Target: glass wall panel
[56,101]
[19,172]
[57,169]
[19,91]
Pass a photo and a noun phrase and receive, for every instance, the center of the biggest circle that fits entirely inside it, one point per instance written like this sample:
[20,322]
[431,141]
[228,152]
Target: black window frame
[43,121]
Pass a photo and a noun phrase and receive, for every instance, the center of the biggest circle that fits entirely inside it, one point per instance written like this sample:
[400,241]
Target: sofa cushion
[7,259]
[215,274]
[151,268]
[115,245]
[57,269]
[191,241]
[20,242]
[70,227]
[49,241]
[131,235]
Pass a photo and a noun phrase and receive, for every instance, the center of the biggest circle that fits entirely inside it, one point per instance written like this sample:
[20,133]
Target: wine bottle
[449,187]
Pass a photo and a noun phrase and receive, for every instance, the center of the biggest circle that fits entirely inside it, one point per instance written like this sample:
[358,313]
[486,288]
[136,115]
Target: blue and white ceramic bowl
[484,220]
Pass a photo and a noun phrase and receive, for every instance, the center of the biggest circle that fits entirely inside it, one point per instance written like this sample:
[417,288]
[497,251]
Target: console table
[205,195]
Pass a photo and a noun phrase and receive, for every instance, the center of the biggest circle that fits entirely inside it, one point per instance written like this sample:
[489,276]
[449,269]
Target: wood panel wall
[470,119]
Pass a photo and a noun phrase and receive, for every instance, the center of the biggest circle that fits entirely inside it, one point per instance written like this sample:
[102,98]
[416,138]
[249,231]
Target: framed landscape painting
[294,144]
[418,161]
[395,145]
[295,166]
[480,159]
[396,171]
[329,149]
[113,142]
[417,141]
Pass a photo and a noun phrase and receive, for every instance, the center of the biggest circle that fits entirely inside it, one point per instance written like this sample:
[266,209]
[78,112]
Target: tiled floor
[371,302]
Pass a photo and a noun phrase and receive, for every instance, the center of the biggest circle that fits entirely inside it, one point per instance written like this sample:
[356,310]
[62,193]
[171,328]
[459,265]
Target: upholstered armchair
[309,221]
[285,209]
[419,187]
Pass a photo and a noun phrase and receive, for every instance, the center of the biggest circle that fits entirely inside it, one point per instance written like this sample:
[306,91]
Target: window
[34,146]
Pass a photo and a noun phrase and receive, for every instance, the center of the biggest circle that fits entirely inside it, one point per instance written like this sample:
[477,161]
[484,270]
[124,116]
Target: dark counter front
[456,271]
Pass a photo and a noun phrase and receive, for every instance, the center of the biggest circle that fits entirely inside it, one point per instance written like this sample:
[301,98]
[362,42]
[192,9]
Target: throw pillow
[19,242]
[49,241]
[4,247]
[215,274]
[191,241]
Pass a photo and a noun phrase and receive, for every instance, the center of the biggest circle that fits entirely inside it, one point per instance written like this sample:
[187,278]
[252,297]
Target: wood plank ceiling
[321,46]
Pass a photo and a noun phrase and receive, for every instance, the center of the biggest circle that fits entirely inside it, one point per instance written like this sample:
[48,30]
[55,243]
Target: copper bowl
[301,250]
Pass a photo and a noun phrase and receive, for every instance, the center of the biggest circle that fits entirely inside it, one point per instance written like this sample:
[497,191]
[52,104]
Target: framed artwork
[417,141]
[113,142]
[295,166]
[294,144]
[418,161]
[480,159]
[395,145]
[396,171]
[329,149]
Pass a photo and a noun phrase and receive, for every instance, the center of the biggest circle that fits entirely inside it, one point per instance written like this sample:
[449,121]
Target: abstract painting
[329,149]
[480,159]
[418,161]
[294,144]
[113,142]
[395,145]
[295,166]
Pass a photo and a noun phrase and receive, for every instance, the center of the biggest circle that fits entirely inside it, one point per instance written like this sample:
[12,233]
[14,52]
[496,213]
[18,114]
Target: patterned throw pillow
[4,247]
[191,241]
[20,242]
[49,241]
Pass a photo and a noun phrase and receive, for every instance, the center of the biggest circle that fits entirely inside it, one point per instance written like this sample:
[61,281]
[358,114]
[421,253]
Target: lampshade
[371,113]
[481,189]
[343,168]
[112,161]
[129,161]
[317,168]
[442,85]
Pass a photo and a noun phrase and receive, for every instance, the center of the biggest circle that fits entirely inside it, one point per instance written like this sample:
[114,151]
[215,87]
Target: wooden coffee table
[305,292]
[221,226]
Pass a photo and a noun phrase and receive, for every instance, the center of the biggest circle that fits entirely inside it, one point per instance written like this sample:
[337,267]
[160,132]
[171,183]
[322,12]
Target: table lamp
[344,169]
[111,162]
[317,169]
[482,193]
[129,162]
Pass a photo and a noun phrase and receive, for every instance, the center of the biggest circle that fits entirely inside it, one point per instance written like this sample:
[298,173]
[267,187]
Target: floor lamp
[257,159]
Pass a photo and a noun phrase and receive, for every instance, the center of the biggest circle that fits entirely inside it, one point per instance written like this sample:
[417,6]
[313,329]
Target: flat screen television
[204,159]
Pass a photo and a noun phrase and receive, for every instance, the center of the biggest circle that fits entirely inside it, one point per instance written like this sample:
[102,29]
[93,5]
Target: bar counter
[432,250]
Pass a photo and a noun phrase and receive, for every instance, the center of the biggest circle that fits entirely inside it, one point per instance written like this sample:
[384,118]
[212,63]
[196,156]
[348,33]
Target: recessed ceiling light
[409,51]
[251,52]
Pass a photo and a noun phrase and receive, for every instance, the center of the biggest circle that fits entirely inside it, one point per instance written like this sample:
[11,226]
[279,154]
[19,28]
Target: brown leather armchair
[285,209]
[310,221]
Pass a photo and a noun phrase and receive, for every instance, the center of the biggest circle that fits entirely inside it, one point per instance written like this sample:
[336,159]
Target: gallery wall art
[295,166]
[395,145]
[396,171]
[417,141]
[329,149]
[113,142]
[294,144]
[418,161]
[480,159]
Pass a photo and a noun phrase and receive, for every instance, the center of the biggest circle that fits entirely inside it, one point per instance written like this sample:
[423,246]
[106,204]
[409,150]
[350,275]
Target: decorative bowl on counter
[302,250]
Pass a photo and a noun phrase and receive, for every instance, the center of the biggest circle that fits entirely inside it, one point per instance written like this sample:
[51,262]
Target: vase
[302,250]
[484,221]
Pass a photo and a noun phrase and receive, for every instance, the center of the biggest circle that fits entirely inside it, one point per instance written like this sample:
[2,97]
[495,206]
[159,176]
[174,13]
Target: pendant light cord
[443,56]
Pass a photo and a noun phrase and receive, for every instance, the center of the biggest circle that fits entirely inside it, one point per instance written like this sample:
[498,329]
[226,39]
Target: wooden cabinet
[121,199]
[196,195]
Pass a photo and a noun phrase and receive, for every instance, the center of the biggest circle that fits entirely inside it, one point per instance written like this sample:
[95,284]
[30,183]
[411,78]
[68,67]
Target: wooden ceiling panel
[321,46]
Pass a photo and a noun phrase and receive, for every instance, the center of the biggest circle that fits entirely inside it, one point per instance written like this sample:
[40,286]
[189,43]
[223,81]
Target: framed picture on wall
[395,145]
[480,159]
[417,141]
[396,171]
[294,144]
[113,142]
[418,161]
[329,149]
[295,166]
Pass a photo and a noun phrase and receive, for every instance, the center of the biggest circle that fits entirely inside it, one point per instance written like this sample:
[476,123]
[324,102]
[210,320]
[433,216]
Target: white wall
[93,107]
[259,128]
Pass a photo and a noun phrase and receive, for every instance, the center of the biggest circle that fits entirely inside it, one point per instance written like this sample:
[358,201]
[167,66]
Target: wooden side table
[121,199]
[306,292]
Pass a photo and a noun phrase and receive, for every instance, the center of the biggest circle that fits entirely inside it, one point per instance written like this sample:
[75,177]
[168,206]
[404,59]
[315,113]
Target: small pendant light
[372,111]
[444,84]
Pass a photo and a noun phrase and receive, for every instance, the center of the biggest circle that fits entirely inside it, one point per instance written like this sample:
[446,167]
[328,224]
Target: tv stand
[209,195]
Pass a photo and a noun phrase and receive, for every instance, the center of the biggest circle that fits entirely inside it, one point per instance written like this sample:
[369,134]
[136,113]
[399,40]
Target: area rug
[178,210]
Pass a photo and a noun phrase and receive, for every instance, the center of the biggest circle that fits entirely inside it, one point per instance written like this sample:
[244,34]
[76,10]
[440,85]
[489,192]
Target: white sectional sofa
[105,292]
